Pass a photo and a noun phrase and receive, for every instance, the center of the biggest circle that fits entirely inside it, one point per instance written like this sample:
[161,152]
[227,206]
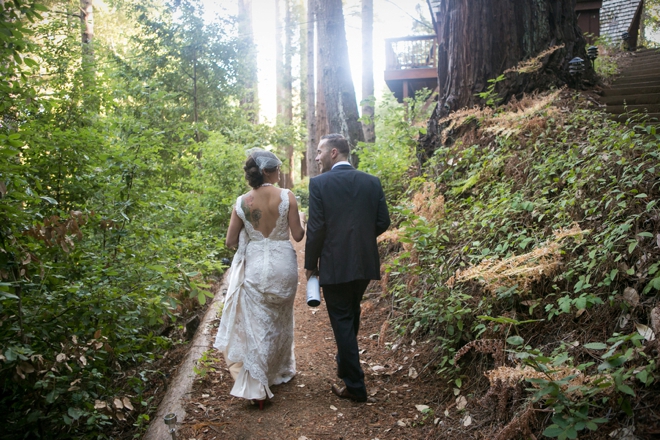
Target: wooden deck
[411,65]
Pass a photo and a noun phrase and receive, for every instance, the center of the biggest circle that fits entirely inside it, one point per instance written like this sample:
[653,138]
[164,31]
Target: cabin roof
[616,17]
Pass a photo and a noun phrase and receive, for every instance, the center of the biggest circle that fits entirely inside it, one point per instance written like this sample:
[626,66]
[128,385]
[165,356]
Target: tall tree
[87,21]
[279,60]
[88,59]
[650,23]
[479,40]
[310,113]
[368,70]
[338,88]
[192,60]
[321,114]
[249,82]
[302,90]
[284,61]
[288,84]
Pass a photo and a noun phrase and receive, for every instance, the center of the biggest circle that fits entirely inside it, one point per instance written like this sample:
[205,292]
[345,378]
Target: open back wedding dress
[256,329]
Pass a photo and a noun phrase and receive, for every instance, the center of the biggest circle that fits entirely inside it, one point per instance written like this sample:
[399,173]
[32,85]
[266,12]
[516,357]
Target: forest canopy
[122,142]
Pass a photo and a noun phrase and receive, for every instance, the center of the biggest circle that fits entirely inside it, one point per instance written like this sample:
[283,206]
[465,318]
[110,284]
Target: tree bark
[288,84]
[87,21]
[368,71]
[279,60]
[321,114]
[312,142]
[88,59]
[195,100]
[338,89]
[250,99]
[284,59]
[479,39]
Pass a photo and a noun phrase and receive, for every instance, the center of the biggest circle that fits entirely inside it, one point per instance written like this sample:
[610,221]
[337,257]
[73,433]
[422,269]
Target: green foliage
[572,397]
[490,96]
[504,197]
[205,364]
[651,23]
[185,64]
[112,222]
[301,191]
[606,65]
[398,128]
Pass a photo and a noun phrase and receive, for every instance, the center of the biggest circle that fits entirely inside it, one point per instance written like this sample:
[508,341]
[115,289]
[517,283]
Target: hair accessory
[265,160]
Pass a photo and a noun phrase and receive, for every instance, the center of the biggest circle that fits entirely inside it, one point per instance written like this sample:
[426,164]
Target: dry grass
[512,376]
[427,203]
[520,270]
[533,64]
[391,235]
[495,347]
[520,116]
[520,425]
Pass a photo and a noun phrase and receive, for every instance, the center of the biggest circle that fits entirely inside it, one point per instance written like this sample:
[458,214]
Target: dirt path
[305,408]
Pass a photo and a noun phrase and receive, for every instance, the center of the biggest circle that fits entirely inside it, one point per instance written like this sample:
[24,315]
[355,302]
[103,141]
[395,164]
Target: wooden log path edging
[182,381]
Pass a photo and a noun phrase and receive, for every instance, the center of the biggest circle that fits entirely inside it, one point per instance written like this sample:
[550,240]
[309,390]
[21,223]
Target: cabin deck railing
[411,52]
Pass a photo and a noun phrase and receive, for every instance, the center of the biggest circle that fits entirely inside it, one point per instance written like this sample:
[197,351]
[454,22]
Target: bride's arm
[297,231]
[235,226]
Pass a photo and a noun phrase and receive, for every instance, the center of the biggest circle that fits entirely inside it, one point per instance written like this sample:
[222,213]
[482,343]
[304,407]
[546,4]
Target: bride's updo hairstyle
[258,161]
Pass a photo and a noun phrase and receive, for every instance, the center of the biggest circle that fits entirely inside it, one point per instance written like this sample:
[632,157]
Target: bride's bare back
[261,209]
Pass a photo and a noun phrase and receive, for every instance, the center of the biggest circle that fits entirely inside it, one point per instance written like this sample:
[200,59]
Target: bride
[256,329]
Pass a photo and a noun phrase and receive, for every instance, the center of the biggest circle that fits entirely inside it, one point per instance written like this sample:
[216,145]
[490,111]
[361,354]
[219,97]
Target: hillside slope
[528,255]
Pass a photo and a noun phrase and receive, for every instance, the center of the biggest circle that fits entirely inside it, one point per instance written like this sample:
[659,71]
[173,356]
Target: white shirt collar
[341,162]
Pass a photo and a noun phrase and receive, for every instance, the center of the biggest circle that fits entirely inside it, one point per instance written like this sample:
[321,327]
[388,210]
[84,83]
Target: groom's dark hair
[335,140]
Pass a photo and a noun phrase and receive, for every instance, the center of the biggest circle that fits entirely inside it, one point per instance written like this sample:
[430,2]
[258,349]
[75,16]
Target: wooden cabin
[618,17]
[411,62]
[588,16]
[411,65]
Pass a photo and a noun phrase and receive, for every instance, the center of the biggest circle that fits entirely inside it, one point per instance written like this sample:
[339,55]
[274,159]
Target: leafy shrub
[392,155]
[527,172]
[301,191]
[113,210]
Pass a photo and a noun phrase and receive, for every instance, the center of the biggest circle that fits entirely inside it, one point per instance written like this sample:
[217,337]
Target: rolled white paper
[313,291]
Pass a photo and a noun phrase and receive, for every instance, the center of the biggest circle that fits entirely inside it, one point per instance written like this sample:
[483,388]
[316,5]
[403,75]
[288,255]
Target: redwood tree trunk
[368,71]
[480,39]
[249,100]
[288,84]
[279,60]
[87,21]
[321,114]
[88,59]
[338,89]
[312,168]
[283,59]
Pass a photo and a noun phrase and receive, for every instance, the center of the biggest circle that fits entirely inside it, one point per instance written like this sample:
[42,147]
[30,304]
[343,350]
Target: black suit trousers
[343,304]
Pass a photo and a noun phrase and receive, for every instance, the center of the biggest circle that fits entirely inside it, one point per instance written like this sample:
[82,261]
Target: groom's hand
[309,273]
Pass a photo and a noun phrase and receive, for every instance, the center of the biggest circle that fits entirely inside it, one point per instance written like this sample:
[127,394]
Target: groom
[347,211]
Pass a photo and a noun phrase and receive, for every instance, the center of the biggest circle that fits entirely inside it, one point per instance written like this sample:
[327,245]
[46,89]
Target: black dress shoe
[345,394]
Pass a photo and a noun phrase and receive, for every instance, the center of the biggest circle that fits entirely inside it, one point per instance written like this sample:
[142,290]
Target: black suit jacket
[347,211]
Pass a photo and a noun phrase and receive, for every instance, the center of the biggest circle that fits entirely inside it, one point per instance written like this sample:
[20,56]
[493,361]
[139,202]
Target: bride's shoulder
[287,194]
[244,199]
[247,195]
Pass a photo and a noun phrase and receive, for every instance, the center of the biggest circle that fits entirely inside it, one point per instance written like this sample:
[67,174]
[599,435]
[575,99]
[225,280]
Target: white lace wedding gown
[256,329]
